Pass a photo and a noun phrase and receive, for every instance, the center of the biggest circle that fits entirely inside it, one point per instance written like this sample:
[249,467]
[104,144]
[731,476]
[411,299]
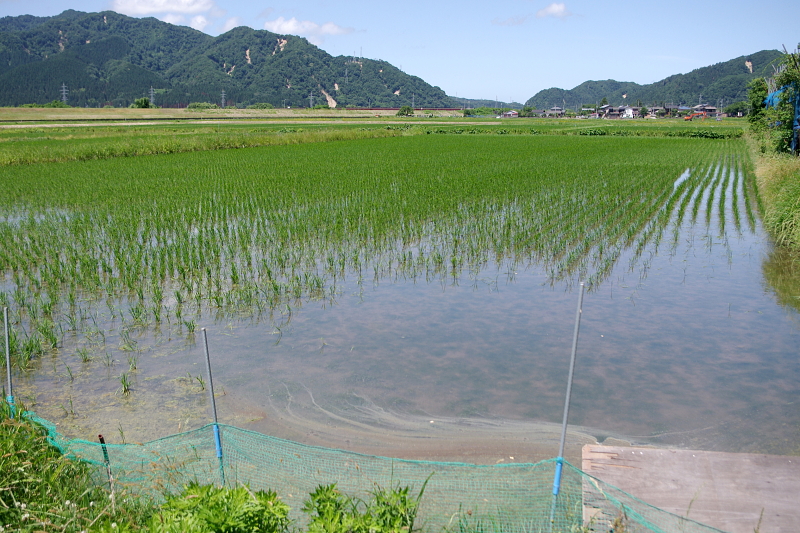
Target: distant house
[709,110]
[511,114]
[608,111]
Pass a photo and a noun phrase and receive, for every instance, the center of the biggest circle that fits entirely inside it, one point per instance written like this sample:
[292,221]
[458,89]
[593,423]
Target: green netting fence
[459,497]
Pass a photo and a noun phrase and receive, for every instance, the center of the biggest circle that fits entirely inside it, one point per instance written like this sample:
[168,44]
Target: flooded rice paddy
[683,342]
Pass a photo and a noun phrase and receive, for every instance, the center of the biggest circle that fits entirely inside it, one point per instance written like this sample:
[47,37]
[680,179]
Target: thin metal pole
[108,471]
[560,458]
[9,390]
[217,438]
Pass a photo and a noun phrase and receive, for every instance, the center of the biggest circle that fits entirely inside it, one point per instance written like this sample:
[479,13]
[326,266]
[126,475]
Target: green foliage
[261,105]
[389,511]
[202,508]
[774,123]
[53,104]
[405,111]
[202,105]
[141,103]
[757,92]
[735,108]
[486,111]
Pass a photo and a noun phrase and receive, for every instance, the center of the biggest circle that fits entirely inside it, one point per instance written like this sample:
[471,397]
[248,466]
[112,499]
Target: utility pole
[152,95]
[412,101]
[64,92]
[223,98]
[311,99]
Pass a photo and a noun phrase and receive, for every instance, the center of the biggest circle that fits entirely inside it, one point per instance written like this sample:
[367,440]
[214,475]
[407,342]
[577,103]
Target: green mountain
[724,82]
[111,59]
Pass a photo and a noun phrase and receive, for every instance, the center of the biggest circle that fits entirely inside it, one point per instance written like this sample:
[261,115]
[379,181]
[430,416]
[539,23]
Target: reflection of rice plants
[127,343]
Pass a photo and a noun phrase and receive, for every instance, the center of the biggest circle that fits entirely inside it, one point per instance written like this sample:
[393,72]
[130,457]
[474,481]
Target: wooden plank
[727,491]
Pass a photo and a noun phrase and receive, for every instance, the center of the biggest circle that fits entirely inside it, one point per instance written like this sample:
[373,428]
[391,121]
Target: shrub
[141,103]
[261,105]
[202,105]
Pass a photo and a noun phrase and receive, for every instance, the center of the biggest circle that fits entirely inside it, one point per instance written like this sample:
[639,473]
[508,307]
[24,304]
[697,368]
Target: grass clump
[42,490]
[778,180]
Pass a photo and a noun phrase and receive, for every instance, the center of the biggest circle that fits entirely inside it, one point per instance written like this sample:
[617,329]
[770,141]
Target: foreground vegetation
[778,178]
[42,490]
[774,142]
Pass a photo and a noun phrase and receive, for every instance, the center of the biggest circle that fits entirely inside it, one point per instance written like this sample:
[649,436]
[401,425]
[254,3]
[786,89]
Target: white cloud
[559,11]
[198,22]
[173,19]
[512,21]
[233,22]
[311,30]
[148,7]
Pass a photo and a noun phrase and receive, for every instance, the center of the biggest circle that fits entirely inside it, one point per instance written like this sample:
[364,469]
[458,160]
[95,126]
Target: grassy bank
[778,179]
[42,490]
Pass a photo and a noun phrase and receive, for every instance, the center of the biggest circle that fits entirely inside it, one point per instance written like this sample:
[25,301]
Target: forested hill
[107,58]
[724,81]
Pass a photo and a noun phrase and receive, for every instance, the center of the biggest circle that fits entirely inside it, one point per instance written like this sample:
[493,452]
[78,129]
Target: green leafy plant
[201,508]
[389,510]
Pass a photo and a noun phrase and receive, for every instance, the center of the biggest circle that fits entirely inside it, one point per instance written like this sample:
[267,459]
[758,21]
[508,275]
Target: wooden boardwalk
[728,491]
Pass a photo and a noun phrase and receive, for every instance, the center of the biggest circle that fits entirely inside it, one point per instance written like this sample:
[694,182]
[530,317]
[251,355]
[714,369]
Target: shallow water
[683,345]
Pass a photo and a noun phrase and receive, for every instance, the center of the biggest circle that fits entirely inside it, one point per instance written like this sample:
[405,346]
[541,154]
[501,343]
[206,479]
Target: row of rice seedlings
[233,241]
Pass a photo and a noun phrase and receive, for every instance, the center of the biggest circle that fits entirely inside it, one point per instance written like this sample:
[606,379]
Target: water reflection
[782,276]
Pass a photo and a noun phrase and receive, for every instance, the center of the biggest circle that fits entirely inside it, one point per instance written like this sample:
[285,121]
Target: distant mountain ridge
[111,59]
[724,83]
[107,58]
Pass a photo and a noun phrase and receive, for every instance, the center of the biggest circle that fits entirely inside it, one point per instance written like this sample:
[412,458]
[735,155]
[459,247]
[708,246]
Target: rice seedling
[84,355]
[125,384]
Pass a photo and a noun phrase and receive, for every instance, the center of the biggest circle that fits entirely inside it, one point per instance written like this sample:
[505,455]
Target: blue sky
[504,49]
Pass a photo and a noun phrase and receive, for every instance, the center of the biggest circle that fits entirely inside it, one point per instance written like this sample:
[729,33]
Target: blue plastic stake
[9,391]
[217,438]
[560,458]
